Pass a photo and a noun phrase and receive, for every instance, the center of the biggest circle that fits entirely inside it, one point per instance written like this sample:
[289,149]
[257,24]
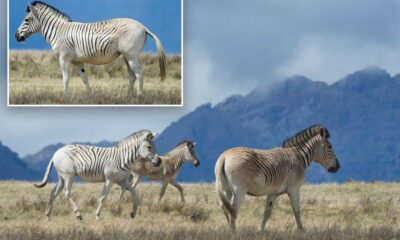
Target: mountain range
[361,111]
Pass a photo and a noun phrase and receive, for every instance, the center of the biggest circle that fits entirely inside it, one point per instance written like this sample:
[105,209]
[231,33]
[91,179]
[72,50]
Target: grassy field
[329,211]
[36,78]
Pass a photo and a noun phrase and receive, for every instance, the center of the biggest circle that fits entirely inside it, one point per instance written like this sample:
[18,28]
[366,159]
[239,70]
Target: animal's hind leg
[68,184]
[134,64]
[237,200]
[84,77]
[131,77]
[56,190]
[125,184]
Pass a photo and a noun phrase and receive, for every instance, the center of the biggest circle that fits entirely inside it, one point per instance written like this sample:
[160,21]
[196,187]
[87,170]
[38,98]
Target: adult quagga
[92,43]
[94,164]
[241,171]
[171,164]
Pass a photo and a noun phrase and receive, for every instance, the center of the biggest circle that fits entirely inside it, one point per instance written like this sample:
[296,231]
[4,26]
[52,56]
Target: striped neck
[307,151]
[50,23]
[174,159]
[127,153]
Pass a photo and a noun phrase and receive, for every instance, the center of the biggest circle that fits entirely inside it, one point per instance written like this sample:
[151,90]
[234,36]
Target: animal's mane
[135,135]
[185,142]
[304,135]
[35,3]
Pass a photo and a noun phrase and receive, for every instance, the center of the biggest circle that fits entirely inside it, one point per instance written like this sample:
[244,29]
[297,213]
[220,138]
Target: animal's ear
[151,136]
[33,10]
[323,132]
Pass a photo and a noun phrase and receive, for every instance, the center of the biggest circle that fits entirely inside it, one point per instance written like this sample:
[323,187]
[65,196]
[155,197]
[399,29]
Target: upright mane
[190,143]
[133,137]
[304,135]
[40,3]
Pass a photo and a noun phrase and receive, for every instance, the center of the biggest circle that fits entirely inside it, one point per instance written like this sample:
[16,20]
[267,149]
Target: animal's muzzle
[19,37]
[196,163]
[157,162]
[335,168]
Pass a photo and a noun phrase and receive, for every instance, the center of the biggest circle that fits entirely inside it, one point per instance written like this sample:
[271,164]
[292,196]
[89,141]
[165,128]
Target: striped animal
[169,168]
[95,164]
[91,43]
[241,171]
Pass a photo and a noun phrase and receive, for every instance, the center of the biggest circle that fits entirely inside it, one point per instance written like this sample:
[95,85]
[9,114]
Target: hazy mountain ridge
[361,111]
[13,167]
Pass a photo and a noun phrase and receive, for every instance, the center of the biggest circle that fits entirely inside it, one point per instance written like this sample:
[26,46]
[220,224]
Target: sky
[230,47]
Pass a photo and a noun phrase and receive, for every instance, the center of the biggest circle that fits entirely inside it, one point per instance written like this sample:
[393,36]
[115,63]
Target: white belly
[97,60]
[260,188]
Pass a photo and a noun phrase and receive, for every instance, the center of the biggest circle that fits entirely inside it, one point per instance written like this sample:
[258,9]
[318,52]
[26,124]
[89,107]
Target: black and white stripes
[95,164]
[92,43]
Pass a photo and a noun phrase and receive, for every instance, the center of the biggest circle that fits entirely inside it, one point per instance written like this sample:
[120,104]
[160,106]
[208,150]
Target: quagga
[169,168]
[241,171]
[92,43]
[95,164]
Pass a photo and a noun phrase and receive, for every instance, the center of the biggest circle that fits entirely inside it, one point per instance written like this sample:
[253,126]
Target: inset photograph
[102,53]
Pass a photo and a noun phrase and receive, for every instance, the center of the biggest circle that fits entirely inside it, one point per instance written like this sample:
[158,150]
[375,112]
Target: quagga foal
[241,171]
[92,43]
[169,168]
[95,164]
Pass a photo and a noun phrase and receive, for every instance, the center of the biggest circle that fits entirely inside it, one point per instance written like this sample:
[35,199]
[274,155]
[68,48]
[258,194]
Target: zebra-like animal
[94,164]
[169,168]
[241,171]
[92,43]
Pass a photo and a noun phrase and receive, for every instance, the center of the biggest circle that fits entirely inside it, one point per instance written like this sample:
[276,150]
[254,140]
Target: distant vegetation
[329,211]
[36,78]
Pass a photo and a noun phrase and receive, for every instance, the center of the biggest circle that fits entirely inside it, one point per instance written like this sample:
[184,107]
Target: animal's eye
[26,20]
[149,147]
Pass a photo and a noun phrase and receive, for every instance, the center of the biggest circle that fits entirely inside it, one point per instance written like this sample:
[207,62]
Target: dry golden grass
[35,78]
[329,211]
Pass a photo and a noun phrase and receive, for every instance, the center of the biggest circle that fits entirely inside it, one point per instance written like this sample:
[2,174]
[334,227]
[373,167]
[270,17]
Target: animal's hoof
[133,215]
[79,217]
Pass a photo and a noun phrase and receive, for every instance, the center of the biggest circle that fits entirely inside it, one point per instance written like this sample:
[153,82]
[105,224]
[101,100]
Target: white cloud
[329,58]
[206,82]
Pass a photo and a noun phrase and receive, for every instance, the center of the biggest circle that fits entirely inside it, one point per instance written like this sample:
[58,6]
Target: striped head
[189,152]
[147,149]
[29,25]
[325,154]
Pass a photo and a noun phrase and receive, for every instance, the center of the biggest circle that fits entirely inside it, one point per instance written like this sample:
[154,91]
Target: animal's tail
[161,54]
[221,181]
[46,176]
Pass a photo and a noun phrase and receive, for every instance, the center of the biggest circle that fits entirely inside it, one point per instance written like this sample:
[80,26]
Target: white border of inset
[90,105]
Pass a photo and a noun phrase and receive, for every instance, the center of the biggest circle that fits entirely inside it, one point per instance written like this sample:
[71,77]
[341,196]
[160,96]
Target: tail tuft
[161,55]
[222,180]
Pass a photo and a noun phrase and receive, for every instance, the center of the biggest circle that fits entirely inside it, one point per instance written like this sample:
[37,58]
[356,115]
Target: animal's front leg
[268,210]
[294,196]
[177,186]
[106,188]
[65,72]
